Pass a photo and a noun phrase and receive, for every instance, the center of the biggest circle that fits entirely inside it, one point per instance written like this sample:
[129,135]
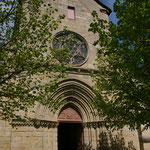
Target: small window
[71,12]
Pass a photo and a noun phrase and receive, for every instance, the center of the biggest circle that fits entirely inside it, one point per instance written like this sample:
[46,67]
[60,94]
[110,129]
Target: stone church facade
[76,125]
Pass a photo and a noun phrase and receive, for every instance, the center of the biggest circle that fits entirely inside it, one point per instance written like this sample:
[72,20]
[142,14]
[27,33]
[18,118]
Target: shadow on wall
[107,141]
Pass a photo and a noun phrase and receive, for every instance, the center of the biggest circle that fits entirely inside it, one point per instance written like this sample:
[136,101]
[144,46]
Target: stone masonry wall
[45,138]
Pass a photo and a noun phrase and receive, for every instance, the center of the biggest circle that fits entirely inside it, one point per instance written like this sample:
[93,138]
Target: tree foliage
[123,78]
[29,71]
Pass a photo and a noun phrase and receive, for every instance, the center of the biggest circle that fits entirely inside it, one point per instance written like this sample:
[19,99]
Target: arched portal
[75,115]
[78,93]
[70,130]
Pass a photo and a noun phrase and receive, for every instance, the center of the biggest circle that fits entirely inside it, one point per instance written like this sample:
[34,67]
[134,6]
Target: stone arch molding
[73,92]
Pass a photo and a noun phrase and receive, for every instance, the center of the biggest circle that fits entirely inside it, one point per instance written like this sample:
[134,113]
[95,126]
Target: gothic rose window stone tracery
[76,47]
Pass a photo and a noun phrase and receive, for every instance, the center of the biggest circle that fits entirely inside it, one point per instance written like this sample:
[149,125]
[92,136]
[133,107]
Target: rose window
[76,47]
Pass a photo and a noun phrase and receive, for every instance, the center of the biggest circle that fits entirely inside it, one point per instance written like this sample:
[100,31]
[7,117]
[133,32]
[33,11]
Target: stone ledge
[35,123]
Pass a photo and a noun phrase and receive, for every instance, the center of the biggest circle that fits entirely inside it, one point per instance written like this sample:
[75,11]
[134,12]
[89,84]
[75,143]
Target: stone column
[46,139]
[86,136]
[50,138]
[93,135]
[55,135]
[97,136]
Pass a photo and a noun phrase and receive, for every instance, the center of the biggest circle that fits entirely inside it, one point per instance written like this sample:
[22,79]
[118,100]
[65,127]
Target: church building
[75,125]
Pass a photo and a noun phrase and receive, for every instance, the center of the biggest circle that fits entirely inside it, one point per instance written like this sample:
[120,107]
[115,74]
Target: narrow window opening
[71,12]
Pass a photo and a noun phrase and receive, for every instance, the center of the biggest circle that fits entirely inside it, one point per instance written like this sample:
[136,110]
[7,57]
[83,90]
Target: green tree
[27,58]
[123,78]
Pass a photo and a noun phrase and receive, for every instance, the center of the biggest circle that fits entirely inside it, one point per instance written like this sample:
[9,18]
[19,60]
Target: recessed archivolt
[76,92]
[71,92]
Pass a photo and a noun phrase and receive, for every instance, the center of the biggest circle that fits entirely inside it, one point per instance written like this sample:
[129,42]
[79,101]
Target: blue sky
[109,3]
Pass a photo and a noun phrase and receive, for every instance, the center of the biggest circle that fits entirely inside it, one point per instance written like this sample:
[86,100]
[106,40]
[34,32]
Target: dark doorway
[70,136]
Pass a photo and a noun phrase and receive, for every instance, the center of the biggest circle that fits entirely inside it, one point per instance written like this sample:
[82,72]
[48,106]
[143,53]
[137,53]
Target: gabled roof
[108,10]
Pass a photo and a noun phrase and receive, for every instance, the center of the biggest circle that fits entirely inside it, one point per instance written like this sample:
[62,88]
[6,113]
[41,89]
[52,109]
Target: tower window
[71,12]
